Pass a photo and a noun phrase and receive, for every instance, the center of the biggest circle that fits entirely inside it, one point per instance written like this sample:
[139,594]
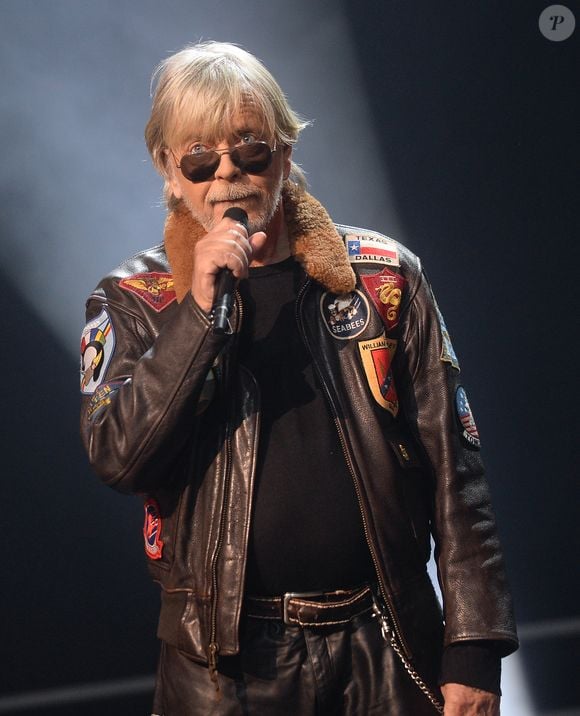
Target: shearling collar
[314,242]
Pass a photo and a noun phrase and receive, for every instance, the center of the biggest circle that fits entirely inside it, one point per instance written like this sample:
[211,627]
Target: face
[257,194]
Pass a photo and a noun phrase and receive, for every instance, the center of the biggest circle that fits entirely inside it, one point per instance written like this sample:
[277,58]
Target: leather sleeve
[477,603]
[135,424]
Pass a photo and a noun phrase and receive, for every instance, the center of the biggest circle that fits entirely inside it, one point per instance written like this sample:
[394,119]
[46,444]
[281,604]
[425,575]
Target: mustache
[234,194]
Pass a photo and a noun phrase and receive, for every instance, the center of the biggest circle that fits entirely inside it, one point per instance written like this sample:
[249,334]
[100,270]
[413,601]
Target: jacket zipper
[350,465]
[213,646]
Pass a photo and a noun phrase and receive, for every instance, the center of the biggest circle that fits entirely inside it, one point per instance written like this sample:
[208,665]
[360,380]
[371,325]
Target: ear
[172,174]
[286,159]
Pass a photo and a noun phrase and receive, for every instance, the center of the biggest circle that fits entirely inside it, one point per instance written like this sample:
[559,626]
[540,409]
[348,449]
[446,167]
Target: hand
[463,700]
[227,245]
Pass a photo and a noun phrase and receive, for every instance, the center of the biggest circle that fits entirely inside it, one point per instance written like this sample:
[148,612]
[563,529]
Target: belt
[312,609]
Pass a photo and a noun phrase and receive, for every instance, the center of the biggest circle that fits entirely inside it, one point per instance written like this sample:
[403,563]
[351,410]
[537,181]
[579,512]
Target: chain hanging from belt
[389,635]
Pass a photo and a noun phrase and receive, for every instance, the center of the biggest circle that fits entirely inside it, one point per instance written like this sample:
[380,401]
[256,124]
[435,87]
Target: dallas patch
[377,356]
[152,530]
[386,291]
[156,289]
[97,346]
[371,249]
[466,420]
[345,316]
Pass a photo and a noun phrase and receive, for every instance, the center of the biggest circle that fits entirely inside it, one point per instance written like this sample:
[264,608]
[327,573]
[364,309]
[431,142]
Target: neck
[276,248]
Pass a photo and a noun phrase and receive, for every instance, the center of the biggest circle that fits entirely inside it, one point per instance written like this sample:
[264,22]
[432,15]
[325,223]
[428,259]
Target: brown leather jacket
[169,414]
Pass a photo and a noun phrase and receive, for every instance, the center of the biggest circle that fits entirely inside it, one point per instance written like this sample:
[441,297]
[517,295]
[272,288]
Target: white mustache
[231,196]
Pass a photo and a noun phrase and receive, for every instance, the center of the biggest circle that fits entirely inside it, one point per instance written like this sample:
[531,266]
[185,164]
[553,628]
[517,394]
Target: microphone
[226,282]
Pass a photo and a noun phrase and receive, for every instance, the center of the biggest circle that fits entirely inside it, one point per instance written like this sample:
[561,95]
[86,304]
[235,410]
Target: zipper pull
[212,658]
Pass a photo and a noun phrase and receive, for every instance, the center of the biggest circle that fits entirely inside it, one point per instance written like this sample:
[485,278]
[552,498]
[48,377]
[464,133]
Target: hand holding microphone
[226,281]
[221,258]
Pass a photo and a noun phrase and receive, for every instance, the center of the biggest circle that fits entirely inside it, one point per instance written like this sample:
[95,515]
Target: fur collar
[314,242]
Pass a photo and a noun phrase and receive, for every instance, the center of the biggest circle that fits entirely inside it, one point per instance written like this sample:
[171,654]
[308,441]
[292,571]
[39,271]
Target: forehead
[222,121]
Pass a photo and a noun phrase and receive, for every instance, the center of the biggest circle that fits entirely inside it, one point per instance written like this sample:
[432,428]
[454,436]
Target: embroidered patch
[345,316]
[448,354]
[386,291]
[156,289]
[377,356]
[97,346]
[371,249]
[102,397]
[152,530]
[469,430]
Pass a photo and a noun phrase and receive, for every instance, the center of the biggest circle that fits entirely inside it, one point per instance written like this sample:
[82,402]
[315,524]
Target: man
[294,465]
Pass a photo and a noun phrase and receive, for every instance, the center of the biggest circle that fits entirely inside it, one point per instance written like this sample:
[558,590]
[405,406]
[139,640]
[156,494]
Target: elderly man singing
[282,393]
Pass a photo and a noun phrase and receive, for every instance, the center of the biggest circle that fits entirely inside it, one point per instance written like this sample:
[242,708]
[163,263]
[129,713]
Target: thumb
[257,241]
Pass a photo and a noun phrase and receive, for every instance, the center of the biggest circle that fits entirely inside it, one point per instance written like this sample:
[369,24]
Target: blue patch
[346,315]
[469,431]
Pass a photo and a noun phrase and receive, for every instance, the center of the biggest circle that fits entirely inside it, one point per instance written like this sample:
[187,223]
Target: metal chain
[390,636]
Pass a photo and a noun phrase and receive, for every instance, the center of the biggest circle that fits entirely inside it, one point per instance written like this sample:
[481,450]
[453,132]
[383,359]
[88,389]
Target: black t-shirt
[306,532]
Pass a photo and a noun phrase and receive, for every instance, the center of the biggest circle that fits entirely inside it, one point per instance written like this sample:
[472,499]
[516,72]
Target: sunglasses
[252,158]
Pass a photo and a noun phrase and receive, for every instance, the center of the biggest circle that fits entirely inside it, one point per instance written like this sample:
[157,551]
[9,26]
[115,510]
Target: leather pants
[292,671]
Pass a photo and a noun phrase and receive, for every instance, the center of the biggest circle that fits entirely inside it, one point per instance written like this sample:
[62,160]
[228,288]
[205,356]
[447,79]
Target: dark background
[452,126]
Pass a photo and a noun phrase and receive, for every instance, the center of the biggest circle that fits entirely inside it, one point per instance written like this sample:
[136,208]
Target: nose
[226,170]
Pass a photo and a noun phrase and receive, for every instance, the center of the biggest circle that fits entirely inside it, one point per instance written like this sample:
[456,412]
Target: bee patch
[345,316]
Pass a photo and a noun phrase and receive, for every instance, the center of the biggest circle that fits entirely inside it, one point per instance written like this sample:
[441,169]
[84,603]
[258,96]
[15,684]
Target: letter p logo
[557,23]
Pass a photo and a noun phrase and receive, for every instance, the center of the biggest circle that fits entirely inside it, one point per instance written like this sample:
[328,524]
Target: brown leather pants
[292,671]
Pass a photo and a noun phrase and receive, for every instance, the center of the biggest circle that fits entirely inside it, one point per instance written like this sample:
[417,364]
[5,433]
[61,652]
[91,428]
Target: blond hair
[198,91]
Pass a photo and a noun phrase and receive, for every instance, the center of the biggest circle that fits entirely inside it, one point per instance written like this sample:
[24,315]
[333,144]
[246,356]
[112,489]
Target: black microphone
[226,282]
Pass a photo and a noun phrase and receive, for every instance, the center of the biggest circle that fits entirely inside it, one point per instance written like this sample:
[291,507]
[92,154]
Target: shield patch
[377,356]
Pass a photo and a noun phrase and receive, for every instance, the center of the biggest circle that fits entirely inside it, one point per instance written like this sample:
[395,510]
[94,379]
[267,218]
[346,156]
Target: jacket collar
[314,242]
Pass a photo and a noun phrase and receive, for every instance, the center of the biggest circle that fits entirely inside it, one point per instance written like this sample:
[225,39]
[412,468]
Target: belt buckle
[294,595]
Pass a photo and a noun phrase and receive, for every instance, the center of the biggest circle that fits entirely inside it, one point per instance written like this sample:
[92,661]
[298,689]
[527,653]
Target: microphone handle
[226,282]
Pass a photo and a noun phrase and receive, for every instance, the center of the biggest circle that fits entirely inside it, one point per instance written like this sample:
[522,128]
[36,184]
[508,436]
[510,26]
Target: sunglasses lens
[252,158]
[199,167]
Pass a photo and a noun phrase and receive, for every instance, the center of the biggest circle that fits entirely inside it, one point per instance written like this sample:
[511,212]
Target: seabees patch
[152,530]
[371,249]
[156,289]
[346,315]
[377,356]
[469,431]
[386,291]
[97,346]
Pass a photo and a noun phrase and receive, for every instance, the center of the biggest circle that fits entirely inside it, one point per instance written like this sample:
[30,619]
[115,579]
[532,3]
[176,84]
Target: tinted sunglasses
[253,158]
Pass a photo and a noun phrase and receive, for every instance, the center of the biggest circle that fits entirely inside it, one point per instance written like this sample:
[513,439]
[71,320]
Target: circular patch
[469,430]
[346,315]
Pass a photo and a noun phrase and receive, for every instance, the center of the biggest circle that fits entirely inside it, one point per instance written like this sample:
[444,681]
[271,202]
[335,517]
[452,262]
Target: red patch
[152,530]
[386,290]
[156,289]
